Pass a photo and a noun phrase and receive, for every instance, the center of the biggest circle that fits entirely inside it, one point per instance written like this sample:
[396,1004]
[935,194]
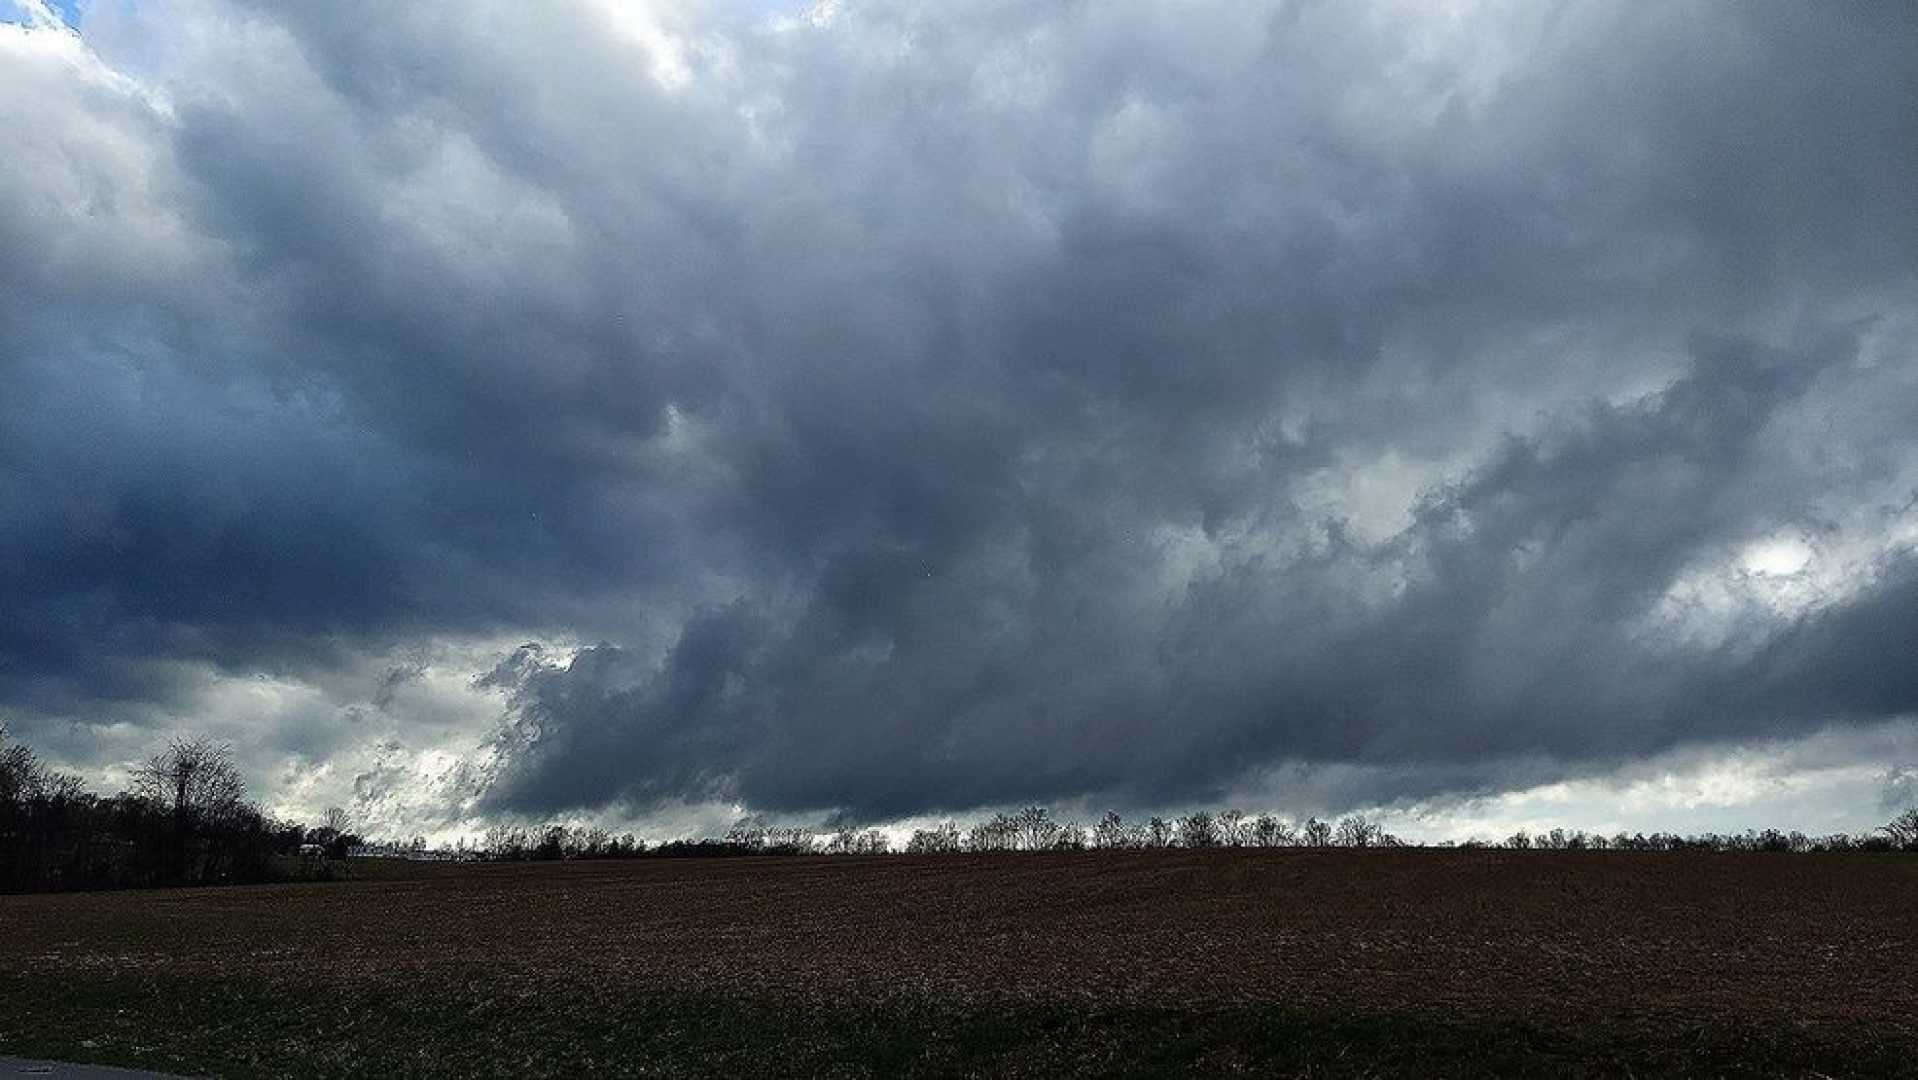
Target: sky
[1480,415]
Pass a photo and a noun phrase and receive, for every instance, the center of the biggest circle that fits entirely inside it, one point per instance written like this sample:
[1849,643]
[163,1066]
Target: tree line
[1035,829]
[184,820]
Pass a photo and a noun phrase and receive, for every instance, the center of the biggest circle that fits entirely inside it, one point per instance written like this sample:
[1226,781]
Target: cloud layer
[885,409]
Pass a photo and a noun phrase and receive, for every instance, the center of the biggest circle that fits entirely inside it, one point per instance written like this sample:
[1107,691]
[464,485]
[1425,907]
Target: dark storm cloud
[926,408]
[1519,630]
[1854,661]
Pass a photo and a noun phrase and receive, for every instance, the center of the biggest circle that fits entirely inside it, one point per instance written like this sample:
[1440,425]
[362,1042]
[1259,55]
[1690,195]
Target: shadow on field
[242,1029]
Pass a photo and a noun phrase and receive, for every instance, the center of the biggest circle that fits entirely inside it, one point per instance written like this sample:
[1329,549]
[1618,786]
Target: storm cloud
[881,409]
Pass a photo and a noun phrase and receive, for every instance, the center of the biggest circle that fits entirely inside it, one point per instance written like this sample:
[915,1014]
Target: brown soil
[1626,941]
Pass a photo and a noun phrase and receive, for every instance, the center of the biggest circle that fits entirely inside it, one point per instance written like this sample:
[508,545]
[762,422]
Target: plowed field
[1288,962]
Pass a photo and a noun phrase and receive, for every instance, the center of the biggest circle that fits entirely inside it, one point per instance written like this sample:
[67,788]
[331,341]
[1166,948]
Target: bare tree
[1268,831]
[1037,830]
[760,835]
[337,819]
[21,775]
[789,840]
[851,841]
[197,784]
[1903,830]
[1358,831]
[999,834]
[193,779]
[1316,833]
[1112,833]
[1159,833]
[748,832]
[332,833]
[1233,829]
[508,841]
[1199,830]
[941,839]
